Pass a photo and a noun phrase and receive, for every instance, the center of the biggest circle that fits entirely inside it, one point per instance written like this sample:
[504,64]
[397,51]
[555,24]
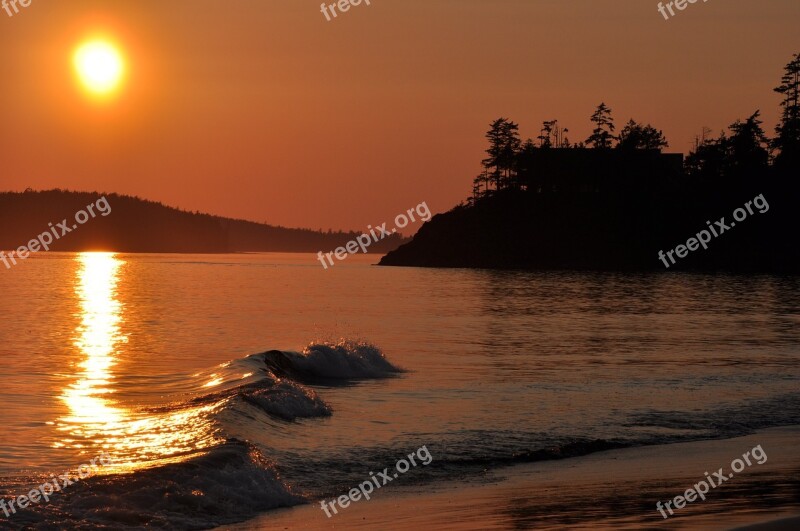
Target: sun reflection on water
[99,335]
[97,422]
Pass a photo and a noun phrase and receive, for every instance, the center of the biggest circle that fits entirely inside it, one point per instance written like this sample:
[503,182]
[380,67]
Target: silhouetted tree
[482,180]
[603,133]
[788,140]
[525,165]
[545,138]
[748,147]
[743,154]
[527,147]
[702,137]
[562,141]
[638,136]
[552,135]
[504,144]
[708,159]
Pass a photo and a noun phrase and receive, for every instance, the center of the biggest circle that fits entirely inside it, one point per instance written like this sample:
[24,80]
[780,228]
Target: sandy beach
[579,493]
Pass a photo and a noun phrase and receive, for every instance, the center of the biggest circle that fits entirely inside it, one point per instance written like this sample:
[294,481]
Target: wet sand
[614,489]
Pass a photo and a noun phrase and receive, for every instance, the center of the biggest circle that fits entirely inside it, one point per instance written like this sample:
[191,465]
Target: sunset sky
[264,110]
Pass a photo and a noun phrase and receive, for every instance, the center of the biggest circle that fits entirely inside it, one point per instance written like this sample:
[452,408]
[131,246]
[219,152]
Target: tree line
[743,151]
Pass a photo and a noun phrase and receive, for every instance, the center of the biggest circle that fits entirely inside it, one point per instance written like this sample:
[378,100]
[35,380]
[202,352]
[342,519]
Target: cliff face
[614,230]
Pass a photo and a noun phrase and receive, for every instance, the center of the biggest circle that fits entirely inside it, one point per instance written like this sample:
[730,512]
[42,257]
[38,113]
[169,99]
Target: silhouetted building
[579,170]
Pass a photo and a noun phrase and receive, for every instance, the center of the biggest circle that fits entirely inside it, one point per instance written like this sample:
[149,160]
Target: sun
[99,66]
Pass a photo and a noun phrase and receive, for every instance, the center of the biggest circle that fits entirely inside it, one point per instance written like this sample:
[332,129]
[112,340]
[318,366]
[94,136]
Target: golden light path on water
[96,422]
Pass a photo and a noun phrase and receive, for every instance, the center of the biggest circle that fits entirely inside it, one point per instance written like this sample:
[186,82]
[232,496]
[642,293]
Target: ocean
[224,387]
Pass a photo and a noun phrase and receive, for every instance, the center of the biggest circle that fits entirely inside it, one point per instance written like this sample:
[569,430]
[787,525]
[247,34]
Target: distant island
[139,226]
[617,202]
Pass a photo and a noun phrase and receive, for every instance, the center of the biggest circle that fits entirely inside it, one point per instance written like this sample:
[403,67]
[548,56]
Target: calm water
[155,359]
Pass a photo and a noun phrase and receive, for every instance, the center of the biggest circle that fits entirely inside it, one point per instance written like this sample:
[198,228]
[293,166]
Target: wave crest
[327,363]
[229,483]
[286,400]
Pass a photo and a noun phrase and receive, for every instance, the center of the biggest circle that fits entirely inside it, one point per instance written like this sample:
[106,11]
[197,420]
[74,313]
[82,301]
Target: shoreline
[611,489]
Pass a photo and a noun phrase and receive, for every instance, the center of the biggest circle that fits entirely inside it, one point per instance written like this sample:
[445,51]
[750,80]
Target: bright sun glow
[99,66]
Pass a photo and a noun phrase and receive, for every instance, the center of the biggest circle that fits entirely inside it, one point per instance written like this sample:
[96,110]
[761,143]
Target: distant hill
[138,225]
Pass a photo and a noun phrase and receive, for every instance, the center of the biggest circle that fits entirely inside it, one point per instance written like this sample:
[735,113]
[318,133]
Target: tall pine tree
[603,134]
[788,140]
[504,144]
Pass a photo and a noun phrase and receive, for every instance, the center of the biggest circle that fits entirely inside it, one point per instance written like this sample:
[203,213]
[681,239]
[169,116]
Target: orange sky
[263,110]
